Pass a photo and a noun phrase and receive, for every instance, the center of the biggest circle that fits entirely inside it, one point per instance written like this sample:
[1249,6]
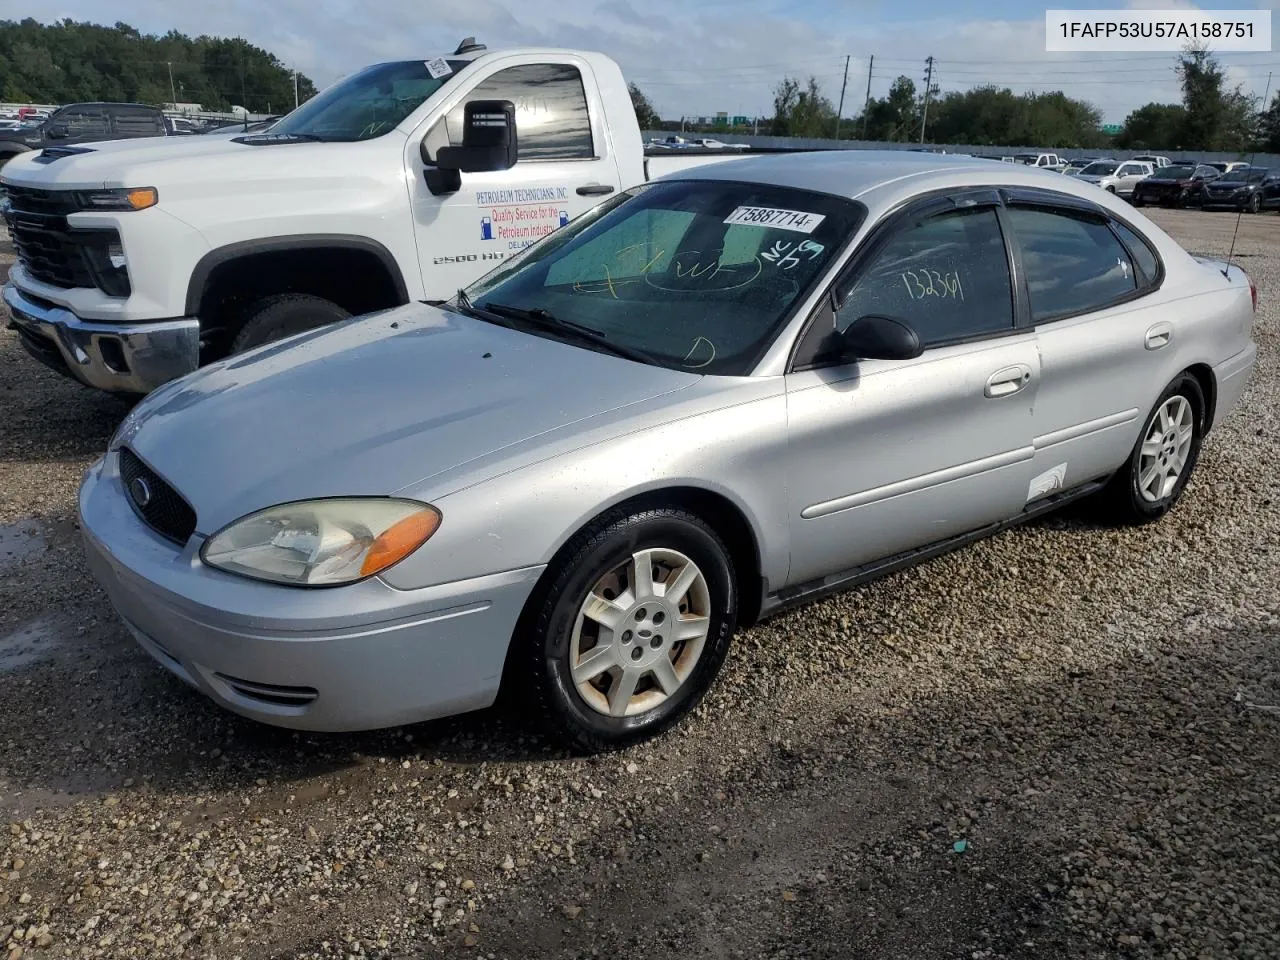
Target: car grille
[50,250]
[163,510]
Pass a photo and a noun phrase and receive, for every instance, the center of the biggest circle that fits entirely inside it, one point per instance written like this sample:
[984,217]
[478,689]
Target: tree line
[1211,116]
[67,62]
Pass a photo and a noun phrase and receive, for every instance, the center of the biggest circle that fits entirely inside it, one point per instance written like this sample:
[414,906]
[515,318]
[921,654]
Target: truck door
[565,167]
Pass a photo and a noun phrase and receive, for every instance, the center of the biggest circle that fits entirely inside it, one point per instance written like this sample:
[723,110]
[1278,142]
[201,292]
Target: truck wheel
[283,315]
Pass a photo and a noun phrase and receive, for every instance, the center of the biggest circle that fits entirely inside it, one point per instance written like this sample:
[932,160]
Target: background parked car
[1252,189]
[1226,166]
[1153,159]
[84,123]
[1116,176]
[1176,185]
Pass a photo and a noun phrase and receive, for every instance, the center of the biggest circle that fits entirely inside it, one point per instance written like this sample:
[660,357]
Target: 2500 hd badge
[469,257]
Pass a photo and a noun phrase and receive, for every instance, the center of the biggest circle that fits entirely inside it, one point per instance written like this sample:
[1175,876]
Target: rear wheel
[1158,469]
[1111,190]
[631,630]
[283,315]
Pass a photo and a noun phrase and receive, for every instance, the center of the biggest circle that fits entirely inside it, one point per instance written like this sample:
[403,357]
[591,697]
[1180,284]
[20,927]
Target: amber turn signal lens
[143,197]
[399,540]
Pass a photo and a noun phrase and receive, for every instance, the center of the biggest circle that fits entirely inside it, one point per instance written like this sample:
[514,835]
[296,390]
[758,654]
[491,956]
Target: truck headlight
[120,198]
[322,543]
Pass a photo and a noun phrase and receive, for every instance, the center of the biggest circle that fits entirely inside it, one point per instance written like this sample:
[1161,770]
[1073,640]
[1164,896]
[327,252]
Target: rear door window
[1073,262]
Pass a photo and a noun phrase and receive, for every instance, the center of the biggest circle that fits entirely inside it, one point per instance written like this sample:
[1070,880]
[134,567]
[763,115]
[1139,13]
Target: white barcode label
[438,67]
[796,220]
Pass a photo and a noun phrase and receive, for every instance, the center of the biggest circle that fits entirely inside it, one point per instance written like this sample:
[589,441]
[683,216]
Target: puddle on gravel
[27,539]
[28,644]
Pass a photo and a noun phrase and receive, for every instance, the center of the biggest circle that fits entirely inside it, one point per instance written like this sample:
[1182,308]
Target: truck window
[137,123]
[551,110]
[86,121]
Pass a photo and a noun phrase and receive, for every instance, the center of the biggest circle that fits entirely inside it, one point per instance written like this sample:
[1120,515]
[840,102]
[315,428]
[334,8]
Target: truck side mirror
[488,143]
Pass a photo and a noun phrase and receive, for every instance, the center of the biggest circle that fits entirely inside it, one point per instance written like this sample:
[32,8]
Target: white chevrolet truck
[138,261]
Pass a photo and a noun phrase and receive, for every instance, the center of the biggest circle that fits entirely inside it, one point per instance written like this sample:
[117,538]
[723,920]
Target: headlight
[135,198]
[322,543]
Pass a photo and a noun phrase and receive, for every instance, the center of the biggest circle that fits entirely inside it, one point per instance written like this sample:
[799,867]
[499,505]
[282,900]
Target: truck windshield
[369,103]
[694,275]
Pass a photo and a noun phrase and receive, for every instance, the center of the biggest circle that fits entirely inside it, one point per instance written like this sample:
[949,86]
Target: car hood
[370,406]
[167,161]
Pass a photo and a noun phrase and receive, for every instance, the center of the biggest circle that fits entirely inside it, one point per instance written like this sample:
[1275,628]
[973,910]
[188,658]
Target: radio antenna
[1226,271]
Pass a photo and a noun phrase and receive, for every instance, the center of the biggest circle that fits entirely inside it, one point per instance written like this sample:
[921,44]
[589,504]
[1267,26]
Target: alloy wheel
[1165,449]
[640,632]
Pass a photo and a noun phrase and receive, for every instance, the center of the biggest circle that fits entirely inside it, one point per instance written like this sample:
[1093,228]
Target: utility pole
[928,89]
[843,84]
[173,96]
[867,105]
[295,89]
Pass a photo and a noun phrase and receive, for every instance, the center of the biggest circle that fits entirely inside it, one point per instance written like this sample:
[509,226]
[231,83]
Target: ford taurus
[703,401]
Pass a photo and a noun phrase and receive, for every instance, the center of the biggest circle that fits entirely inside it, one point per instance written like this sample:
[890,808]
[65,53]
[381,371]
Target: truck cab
[78,123]
[139,263]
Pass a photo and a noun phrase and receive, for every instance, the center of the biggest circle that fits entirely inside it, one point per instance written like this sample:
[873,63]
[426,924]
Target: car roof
[882,176]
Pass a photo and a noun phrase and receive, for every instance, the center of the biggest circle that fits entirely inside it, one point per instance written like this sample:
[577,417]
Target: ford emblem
[140,490]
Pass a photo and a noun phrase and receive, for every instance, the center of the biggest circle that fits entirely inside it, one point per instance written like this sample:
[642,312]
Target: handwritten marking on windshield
[694,349]
[925,283]
[785,254]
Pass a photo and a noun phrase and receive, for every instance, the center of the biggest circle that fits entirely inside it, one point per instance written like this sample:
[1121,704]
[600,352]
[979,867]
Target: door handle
[1159,335]
[594,190]
[1008,381]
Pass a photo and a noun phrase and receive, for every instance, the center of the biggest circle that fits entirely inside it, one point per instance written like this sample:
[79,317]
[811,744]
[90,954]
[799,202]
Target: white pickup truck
[138,261]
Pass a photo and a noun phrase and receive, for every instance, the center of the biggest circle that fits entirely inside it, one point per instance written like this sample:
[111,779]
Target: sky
[696,57]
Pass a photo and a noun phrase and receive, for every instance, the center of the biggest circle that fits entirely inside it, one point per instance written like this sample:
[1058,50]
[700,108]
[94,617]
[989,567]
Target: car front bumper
[356,657]
[130,358]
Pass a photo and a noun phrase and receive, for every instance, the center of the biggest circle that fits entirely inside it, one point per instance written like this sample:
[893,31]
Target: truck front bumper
[119,357]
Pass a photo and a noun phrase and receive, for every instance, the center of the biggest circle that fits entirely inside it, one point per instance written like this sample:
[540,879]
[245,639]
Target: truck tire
[282,315]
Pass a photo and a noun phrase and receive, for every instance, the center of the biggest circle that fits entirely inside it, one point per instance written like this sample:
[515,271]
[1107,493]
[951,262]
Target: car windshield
[1250,174]
[694,275]
[1102,168]
[369,103]
[1174,173]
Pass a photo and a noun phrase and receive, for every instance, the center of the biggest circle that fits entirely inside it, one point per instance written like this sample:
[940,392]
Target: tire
[1111,190]
[1255,204]
[593,713]
[1138,201]
[1130,500]
[283,315]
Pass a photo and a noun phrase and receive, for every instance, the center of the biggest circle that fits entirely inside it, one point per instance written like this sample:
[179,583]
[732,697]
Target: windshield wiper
[549,321]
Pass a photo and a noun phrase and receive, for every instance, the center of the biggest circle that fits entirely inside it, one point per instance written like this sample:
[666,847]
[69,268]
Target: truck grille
[50,250]
[158,504]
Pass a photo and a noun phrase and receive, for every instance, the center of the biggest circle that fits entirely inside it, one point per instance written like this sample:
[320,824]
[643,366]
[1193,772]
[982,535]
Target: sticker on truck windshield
[438,67]
[796,220]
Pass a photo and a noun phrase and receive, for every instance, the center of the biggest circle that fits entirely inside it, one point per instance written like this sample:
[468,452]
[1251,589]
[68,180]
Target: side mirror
[880,338]
[488,144]
[57,131]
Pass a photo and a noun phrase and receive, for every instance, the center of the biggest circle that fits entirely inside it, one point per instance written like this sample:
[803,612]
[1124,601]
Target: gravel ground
[1063,742]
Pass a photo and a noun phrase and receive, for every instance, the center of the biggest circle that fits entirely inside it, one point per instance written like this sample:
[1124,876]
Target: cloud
[691,58]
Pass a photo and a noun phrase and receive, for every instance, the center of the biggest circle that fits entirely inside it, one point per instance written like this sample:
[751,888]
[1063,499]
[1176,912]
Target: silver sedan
[708,399]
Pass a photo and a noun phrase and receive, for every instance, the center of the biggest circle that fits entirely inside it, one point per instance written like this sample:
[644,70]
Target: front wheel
[631,629]
[1153,479]
[1255,204]
[282,315]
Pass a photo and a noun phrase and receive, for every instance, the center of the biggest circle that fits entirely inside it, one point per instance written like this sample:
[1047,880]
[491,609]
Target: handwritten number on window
[785,254]
[924,283]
